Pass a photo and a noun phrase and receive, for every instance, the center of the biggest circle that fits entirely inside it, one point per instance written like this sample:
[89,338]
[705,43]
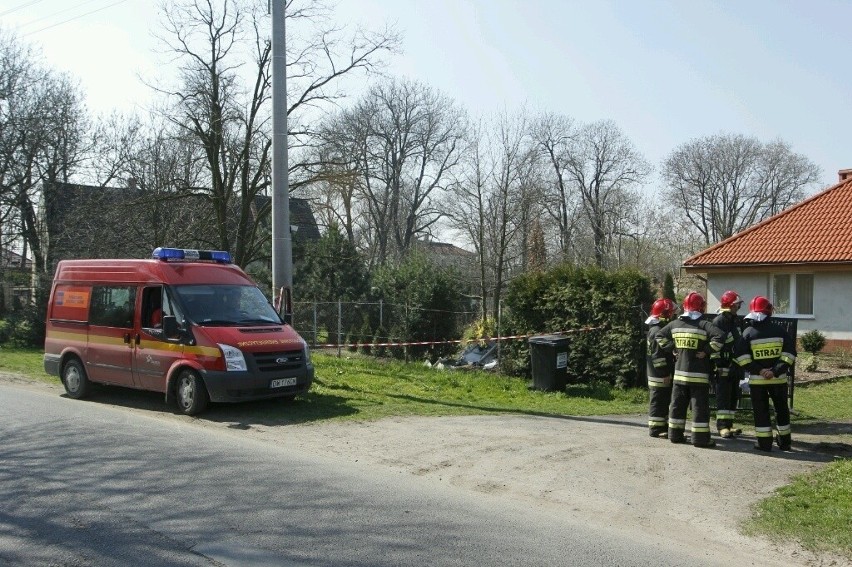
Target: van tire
[190,393]
[74,379]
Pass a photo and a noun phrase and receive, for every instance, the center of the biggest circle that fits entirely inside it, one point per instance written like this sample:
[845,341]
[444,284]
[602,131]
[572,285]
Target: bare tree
[513,162]
[338,182]
[469,213]
[555,135]
[604,167]
[222,100]
[726,183]
[407,141]
[494,201]
[42,140]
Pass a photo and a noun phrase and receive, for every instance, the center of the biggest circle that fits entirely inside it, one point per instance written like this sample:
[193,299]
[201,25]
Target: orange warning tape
[420,343]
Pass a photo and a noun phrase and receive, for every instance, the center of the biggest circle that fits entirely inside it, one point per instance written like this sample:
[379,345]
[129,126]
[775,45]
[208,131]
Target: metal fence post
[339,325]
[315,323]
[499,314]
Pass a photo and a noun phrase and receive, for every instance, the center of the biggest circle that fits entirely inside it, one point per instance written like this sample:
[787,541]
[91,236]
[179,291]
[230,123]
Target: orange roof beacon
[186,323]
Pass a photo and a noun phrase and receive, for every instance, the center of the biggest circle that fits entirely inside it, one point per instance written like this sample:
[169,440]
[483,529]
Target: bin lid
[555,340]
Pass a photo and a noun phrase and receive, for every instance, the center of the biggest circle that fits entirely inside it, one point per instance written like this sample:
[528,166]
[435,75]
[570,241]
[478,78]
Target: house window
[793,294]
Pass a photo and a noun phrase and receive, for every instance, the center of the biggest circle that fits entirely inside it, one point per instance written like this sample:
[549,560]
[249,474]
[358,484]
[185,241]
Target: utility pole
[282,245]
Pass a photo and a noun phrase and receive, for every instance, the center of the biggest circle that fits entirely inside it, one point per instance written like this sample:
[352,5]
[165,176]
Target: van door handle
[138,339]
[127,338]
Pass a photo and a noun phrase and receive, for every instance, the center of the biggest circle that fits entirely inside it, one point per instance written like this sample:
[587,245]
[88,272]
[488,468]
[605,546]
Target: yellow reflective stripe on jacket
[789,358]
[691,377]
[758,380]
[743,359]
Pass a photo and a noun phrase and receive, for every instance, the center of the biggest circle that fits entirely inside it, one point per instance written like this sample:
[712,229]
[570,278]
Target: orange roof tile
[817,230]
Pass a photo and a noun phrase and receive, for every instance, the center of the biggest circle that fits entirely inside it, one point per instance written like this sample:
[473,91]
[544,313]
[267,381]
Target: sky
[665,72]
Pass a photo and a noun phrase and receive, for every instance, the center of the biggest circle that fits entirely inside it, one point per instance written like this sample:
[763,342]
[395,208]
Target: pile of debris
[481,355]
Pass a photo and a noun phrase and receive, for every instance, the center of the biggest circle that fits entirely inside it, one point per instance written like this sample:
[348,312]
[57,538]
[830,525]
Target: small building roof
[816,231]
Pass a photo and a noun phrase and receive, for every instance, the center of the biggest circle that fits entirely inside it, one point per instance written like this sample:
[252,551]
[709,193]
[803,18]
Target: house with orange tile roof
[800,258]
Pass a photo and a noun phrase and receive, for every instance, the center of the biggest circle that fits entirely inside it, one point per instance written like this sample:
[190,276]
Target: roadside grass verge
[28,362]
[815,509]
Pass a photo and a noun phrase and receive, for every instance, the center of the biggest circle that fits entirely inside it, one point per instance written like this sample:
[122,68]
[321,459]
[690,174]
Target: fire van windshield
[226,305]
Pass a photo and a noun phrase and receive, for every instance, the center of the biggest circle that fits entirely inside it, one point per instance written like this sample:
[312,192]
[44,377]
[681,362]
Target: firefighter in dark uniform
[728,372]
[660,365]
[698,343]
[766,352]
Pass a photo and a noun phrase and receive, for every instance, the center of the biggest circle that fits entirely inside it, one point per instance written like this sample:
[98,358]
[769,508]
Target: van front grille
[278,361]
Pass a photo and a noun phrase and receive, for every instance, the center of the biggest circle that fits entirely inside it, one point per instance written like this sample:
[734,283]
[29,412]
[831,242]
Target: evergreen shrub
[570,298]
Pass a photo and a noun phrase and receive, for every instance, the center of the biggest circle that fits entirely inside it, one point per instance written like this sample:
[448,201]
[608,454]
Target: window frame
[793,293]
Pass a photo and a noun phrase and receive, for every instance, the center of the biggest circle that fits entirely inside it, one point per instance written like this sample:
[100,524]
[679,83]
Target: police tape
[456,341]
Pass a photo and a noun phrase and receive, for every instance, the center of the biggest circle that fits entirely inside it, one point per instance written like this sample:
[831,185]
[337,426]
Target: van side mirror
[170,327]
[284,305]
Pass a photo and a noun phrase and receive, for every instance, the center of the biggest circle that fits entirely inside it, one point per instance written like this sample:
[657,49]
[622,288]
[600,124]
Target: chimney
[843,175]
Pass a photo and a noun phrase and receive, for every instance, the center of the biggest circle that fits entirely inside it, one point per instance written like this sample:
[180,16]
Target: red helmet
[761,305]
[731,298]
[694,301]
[663,308]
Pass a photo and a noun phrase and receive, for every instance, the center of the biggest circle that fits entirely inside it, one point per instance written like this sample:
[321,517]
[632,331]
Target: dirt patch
[600,470]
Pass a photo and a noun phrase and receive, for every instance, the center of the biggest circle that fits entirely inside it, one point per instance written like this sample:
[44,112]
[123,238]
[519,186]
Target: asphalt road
[84,483]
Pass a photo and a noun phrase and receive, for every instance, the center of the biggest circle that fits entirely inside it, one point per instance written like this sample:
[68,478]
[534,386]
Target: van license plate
[281,382]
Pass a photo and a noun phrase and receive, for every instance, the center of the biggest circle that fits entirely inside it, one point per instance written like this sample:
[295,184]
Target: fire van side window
[112,306]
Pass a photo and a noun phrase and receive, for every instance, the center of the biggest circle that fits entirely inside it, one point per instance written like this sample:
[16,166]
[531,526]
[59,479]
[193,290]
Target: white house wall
[747,285]
[832,309]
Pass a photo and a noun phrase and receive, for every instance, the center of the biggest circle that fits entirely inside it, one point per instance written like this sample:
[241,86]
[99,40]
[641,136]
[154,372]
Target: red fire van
[187,323]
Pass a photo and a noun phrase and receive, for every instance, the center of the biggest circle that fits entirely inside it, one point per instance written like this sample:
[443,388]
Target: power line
[76,18]
[48,16]
[22,6]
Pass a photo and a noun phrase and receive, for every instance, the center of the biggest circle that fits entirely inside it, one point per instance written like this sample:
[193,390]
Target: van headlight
[234,359]
[307,351]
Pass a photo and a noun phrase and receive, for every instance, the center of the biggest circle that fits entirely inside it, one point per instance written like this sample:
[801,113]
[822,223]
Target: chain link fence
[343,325]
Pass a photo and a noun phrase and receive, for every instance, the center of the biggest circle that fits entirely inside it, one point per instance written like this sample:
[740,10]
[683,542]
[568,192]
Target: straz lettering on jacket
[688,339]
[768,349]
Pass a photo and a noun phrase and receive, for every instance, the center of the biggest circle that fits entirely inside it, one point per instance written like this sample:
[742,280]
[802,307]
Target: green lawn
[22,361]
[815,509]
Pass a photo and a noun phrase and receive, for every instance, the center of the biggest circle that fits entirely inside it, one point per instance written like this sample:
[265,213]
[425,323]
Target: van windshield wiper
[218,323]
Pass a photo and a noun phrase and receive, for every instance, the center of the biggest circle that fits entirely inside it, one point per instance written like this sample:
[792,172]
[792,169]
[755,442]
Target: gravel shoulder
[602,471]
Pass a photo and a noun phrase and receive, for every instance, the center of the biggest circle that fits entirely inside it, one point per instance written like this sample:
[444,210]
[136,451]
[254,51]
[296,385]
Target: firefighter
[698,344]
[728,373]
[766,352]
[660,365]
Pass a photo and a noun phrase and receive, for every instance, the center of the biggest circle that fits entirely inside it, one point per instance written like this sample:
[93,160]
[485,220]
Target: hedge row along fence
[570,297]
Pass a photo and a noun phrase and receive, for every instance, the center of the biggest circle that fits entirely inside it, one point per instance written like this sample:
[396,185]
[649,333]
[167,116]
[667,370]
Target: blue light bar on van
[167,254]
